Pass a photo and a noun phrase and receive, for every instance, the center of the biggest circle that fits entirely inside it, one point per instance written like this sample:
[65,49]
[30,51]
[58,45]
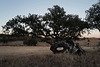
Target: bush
[30,42]
[98,45]
[4,39]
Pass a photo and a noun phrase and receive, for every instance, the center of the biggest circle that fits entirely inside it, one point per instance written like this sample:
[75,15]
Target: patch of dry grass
[54,60]
[24,50]
[41,56]
[92,42]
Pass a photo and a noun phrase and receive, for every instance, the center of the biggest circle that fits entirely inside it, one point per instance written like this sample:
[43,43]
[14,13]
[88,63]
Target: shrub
[4,39]
[30,42]
[98,45]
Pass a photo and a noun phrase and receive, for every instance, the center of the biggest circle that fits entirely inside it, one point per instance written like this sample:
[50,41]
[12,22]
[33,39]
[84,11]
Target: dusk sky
[10,8]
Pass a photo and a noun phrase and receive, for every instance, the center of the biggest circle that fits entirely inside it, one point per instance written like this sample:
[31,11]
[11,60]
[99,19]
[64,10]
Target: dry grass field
[41,56]
[24,50]
[92,42]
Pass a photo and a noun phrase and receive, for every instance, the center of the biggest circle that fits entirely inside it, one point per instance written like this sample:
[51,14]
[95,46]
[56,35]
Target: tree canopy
[55,19]
[62,25]
[54,24]
[34,24]
[93,16]
[15,26]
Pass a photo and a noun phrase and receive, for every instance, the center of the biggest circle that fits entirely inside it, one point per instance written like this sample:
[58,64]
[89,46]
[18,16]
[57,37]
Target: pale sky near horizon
[10,8]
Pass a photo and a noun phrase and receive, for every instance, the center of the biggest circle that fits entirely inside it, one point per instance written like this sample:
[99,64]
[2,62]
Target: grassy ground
[24,50]
[41,56]
[92,42]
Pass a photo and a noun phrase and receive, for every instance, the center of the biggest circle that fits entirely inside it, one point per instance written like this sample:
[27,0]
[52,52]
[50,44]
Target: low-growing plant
[4,39]
[30,42]
[98,45]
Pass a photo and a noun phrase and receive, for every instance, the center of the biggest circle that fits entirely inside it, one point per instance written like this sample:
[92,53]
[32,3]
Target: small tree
[93,16]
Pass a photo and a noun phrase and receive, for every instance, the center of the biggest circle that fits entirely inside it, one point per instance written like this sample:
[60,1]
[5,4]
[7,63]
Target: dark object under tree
[67,46]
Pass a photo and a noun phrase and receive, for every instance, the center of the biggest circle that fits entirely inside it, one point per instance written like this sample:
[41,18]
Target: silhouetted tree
[74,27]
[54,20]
[93,16]
[62,25]
[15,26]
[34,24]
[55,23]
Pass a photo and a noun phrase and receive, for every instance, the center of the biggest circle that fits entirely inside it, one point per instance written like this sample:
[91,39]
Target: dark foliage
[93,16]
[54,24]
[62,25]
[30,42]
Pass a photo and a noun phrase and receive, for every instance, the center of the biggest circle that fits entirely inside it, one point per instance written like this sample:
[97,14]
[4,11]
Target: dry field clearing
[41,56]
[7,51]
[24,56]
[92,42]
[24,50]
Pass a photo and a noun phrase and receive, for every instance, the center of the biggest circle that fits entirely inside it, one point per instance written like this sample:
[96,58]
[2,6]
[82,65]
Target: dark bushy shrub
[4,39]
[30,42]
[98,45]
